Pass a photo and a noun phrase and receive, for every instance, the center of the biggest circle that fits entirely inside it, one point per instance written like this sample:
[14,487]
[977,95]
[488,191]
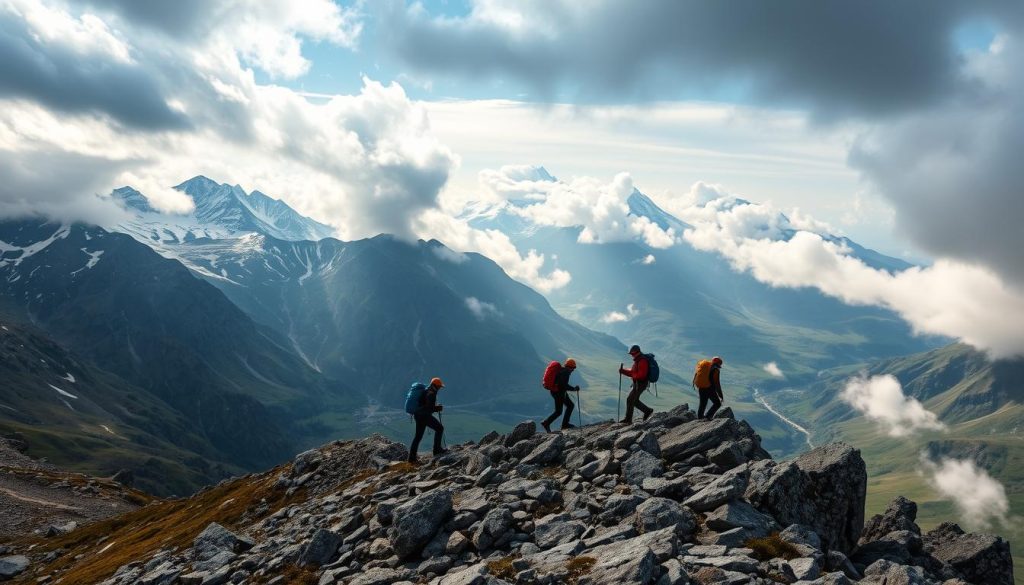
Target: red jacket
[638,371]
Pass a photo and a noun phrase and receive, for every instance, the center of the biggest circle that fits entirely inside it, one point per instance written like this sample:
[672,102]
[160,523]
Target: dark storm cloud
[835,57]
[186,18]
[60,77]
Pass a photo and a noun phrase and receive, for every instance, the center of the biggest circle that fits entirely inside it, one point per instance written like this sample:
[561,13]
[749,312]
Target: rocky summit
[670,501]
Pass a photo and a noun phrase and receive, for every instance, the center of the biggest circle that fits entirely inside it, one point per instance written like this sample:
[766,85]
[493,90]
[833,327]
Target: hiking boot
[568,426]
[648,414]
[625,422]
[441,452]
[546,425]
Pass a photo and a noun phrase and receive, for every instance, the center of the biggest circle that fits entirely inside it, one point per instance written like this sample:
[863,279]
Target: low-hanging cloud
[601,209]
[881,399]
[481,309]
[980,498]
[620,317]
[965,301]
[773,370]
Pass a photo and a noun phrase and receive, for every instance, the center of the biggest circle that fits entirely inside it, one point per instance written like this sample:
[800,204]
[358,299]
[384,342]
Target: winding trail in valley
[760,399]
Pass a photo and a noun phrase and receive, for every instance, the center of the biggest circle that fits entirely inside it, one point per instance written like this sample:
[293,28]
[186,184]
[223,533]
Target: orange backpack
[702,374]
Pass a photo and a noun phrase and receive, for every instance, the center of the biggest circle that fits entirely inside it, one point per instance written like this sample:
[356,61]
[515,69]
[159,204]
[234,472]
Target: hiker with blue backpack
[643,372]
[421,403]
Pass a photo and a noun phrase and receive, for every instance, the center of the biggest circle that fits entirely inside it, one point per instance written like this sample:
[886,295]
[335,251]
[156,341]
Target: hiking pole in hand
[579,406]
[618,409]
[440,418]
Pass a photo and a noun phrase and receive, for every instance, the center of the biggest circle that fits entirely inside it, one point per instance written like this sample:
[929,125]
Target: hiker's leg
[435,424]
[703,402]
[647,410]
[631,403]
[415,446]
[558,408]
[715,403]
[569,406]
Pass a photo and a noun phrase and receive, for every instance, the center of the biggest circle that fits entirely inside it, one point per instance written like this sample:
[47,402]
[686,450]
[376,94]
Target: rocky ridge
[670,501]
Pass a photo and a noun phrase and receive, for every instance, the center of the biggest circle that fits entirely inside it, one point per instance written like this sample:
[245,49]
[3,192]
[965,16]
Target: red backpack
[548,382]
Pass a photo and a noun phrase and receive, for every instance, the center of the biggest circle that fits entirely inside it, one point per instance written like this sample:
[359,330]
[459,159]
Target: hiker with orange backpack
[556,381]
[421,403]
[707,379]
[640,374]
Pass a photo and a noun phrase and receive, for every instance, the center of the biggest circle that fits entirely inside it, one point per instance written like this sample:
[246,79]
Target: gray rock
[521,432]
[215,538]
[457,543]
[837,561]
[673,573]
[978,557]
[379,576]
[547,452]
[633,561]
[417,521]
[215,562]
[718,492]
[320,549]
[837,477]
[640,466]
[685,441]
[802,535]
[900,514]
[472,575]
[494,525]
[648,442]
[806,569]
[556,532]
[12,566]
[658,513]
[739,514]
[305,462]
[738,563]
[727,455]
[734,538]
[887,573]
[617,507]
[604,465]
[436,565]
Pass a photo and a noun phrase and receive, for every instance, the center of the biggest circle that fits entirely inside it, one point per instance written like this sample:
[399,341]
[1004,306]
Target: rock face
[824,488]
[671,501]
[12,566]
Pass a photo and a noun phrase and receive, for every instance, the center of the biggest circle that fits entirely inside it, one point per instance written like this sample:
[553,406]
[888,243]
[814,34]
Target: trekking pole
[618,409]
[579,405]
[440,418]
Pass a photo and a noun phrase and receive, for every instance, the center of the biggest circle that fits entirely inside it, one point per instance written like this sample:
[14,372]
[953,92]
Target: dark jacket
[716,379]
[562,380]
[428,402]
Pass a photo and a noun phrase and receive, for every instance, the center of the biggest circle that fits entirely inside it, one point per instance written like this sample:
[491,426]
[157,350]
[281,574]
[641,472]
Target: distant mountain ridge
[221,211]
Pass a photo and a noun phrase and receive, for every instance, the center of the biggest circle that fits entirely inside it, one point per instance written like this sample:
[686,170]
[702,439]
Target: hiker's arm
[628,373]
[716,381]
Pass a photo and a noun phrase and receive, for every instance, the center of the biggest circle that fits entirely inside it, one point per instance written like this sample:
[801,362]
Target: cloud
[881,399]
[617,317]
[953,171]
[773,370]
[647,260]
[601,209]
[667,49]
[448,255]
[965,301]
[365,163]
[979,497]
[530,268]
[481,309]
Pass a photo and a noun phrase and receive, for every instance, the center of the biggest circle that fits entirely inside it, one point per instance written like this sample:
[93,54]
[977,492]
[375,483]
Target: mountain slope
[146,319]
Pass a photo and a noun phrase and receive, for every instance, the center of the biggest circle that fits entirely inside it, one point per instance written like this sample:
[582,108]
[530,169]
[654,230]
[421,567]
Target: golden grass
[502,568]
[579,567]
[772,547]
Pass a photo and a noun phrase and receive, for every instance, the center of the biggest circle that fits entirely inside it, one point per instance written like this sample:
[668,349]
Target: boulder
[888,573]
[633,561]
[640,466]
[215,538]
[900,514]
[980,558]
[824,488]
[521,432]
[494,525]
[556,532]
[320,549]
[547,452]
[724,489]
[739,514]
[658,513]
[12,566]
[416,522]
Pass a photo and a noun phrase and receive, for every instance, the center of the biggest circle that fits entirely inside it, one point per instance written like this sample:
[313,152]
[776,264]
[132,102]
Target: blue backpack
[653,371]
[413,397]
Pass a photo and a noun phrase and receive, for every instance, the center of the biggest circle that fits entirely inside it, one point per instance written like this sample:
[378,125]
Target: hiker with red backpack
[640,373]
[556,381]
[707,379]
[421,403]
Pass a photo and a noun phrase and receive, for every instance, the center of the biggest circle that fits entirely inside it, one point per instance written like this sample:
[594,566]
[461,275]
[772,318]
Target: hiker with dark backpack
[640,373]
[556,381]
[707,379]
[421,403]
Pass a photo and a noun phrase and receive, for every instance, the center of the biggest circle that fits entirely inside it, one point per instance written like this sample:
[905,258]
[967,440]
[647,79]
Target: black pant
[705,395]
[561,399]
[633,401]
[422,422]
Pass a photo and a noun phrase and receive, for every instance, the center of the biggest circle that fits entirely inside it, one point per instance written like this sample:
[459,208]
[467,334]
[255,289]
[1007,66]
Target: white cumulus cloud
[881,399]
[481,309]
[980,498]
[619,317]
[773,370]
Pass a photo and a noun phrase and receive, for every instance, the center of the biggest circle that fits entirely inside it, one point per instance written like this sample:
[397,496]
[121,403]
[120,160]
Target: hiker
[423,412]
[708,381]
[560,389]
[639,374]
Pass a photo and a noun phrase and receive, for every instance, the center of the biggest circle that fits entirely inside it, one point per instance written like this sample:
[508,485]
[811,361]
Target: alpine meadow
[482,292]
